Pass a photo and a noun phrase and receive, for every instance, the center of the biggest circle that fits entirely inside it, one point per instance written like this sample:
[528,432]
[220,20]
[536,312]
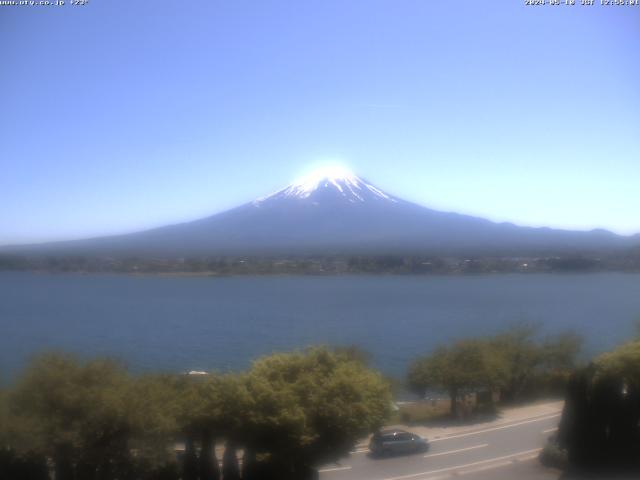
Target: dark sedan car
[390,442]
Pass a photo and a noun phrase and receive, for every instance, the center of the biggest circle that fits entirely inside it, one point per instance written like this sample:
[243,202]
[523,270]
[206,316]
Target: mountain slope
[337,212]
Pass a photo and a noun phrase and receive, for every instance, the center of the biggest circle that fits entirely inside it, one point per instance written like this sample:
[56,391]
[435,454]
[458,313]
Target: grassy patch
[420,412]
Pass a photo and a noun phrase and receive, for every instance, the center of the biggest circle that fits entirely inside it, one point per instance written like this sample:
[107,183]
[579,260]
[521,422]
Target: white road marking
[483,468]
[336,469]
[456,467]
[495,465]
[549,430]
[456,451]
[526,458]
[494,428]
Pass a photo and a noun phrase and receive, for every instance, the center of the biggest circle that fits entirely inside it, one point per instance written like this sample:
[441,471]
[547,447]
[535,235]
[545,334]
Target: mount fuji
[334,212]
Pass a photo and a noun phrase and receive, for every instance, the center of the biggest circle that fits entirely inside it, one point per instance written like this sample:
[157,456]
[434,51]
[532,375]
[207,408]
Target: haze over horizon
[528,116]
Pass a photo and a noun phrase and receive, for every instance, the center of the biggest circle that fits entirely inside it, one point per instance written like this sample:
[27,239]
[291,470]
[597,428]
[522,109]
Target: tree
[75,414]
[230,465]
[521,356]
[636,328]
[467,364]
[206,409]
[97,422]
[623,362]
[355,353]
[600,424]
[310,407]
[204,414]
[153,403]
[532,364]
[4,418]
[561,352]
[217,417]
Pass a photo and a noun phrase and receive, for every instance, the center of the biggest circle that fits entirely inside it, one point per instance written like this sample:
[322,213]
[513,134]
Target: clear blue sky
[123,115]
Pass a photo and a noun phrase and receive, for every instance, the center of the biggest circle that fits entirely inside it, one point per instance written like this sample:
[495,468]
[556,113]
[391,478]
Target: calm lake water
[177,324]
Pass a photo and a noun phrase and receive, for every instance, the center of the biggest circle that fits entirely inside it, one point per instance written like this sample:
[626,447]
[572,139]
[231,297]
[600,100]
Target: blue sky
[120,115]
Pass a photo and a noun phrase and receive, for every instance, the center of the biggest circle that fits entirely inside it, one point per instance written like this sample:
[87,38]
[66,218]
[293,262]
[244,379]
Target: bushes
[93,420]
[553,455]
[422,412]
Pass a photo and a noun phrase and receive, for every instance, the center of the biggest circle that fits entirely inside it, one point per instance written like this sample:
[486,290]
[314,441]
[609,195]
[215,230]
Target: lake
[198,323]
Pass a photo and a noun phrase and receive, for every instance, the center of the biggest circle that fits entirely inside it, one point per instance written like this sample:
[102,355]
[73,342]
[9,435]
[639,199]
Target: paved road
[493,451]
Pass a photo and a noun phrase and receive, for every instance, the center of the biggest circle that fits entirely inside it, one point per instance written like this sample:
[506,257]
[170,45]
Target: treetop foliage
[623,362]
[95,420]
[509,362]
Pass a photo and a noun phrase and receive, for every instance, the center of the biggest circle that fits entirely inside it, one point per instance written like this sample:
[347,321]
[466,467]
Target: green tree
[623,362]
[4,418]
[355,353]
[75,414]
[532,363]
[600,424]
[311,407]
[96,422]
[207,409]
[466,365]
[521,357]
[636,328]
[198,416]
[153,404]
[561,352]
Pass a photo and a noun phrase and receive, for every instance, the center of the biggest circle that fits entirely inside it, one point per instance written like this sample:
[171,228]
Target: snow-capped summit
[329,183]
